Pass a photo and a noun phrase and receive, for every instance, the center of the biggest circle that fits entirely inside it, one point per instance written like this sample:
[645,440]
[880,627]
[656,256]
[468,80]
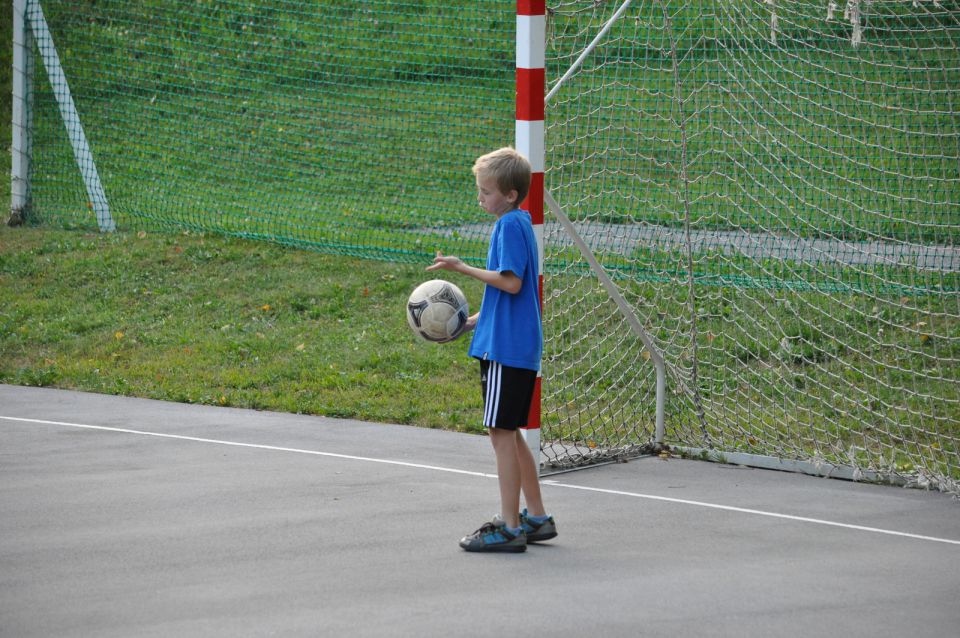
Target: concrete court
[323,527]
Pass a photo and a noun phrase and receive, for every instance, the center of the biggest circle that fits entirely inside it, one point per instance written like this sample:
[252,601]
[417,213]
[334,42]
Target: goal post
[530,83]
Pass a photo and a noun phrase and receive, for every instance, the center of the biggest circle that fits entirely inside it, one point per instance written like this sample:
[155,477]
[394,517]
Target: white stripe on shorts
[493,395]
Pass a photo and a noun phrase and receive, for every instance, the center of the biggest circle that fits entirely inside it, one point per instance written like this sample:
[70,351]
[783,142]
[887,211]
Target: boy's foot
[537,531]
[494,537]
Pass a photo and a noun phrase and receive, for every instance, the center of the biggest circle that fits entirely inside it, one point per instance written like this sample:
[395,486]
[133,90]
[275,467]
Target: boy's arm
[505,281]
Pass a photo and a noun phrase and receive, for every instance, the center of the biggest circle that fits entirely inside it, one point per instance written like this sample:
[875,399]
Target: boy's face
[491,199]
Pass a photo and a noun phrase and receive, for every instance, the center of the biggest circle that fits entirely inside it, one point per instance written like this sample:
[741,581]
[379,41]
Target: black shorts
[507,393]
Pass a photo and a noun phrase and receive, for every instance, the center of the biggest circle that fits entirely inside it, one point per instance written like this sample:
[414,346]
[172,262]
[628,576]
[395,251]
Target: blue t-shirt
[508,330]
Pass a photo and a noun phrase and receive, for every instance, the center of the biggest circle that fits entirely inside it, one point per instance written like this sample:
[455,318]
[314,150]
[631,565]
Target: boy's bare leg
[529,477]
[508,473]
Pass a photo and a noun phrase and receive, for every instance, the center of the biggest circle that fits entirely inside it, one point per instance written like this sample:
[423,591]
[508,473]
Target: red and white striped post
[531,82]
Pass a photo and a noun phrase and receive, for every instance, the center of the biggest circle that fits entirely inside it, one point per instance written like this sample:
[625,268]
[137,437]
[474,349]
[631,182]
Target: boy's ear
[514,197]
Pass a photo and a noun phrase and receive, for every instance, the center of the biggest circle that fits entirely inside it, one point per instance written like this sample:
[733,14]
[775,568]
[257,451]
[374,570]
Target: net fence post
[531,81]
[97,199]
[22,115]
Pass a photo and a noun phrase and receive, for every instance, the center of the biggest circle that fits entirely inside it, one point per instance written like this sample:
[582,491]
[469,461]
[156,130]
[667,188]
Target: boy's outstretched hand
[445,262]
[506,281]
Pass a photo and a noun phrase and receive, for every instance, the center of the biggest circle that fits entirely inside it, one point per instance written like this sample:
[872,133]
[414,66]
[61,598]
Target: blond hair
[510,169]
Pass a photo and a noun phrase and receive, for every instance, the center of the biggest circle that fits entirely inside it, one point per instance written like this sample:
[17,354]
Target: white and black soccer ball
[437,311]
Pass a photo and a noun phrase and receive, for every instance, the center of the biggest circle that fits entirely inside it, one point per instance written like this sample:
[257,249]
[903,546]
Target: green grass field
[205,319]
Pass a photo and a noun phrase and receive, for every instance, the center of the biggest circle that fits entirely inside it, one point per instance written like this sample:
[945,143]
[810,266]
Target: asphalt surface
[128,517]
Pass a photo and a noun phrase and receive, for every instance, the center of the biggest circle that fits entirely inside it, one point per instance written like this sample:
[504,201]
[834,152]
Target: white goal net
[774,188]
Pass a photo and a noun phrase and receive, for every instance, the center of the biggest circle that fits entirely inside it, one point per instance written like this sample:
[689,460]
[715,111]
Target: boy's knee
[499,438]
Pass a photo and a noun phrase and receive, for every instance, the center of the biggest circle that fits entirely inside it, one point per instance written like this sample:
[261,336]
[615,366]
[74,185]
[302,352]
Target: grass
[203,319]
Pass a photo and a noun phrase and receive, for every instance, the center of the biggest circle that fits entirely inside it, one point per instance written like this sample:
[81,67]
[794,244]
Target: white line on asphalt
[552,483]
[258,446]
[744,510]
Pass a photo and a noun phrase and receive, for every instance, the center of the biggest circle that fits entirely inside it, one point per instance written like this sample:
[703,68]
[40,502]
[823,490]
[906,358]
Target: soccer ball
[437,311]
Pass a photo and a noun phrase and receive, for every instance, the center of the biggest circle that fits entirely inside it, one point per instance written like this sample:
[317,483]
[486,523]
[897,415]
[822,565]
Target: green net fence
[348,127]
[774,185]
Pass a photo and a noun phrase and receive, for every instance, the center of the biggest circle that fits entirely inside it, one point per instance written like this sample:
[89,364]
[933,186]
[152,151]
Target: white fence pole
[22,120]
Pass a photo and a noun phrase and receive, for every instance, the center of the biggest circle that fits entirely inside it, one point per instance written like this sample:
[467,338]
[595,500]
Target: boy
[508,341]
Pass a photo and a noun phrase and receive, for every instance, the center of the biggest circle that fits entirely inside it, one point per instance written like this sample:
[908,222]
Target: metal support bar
[655,355]
[586,52]
[71,119]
